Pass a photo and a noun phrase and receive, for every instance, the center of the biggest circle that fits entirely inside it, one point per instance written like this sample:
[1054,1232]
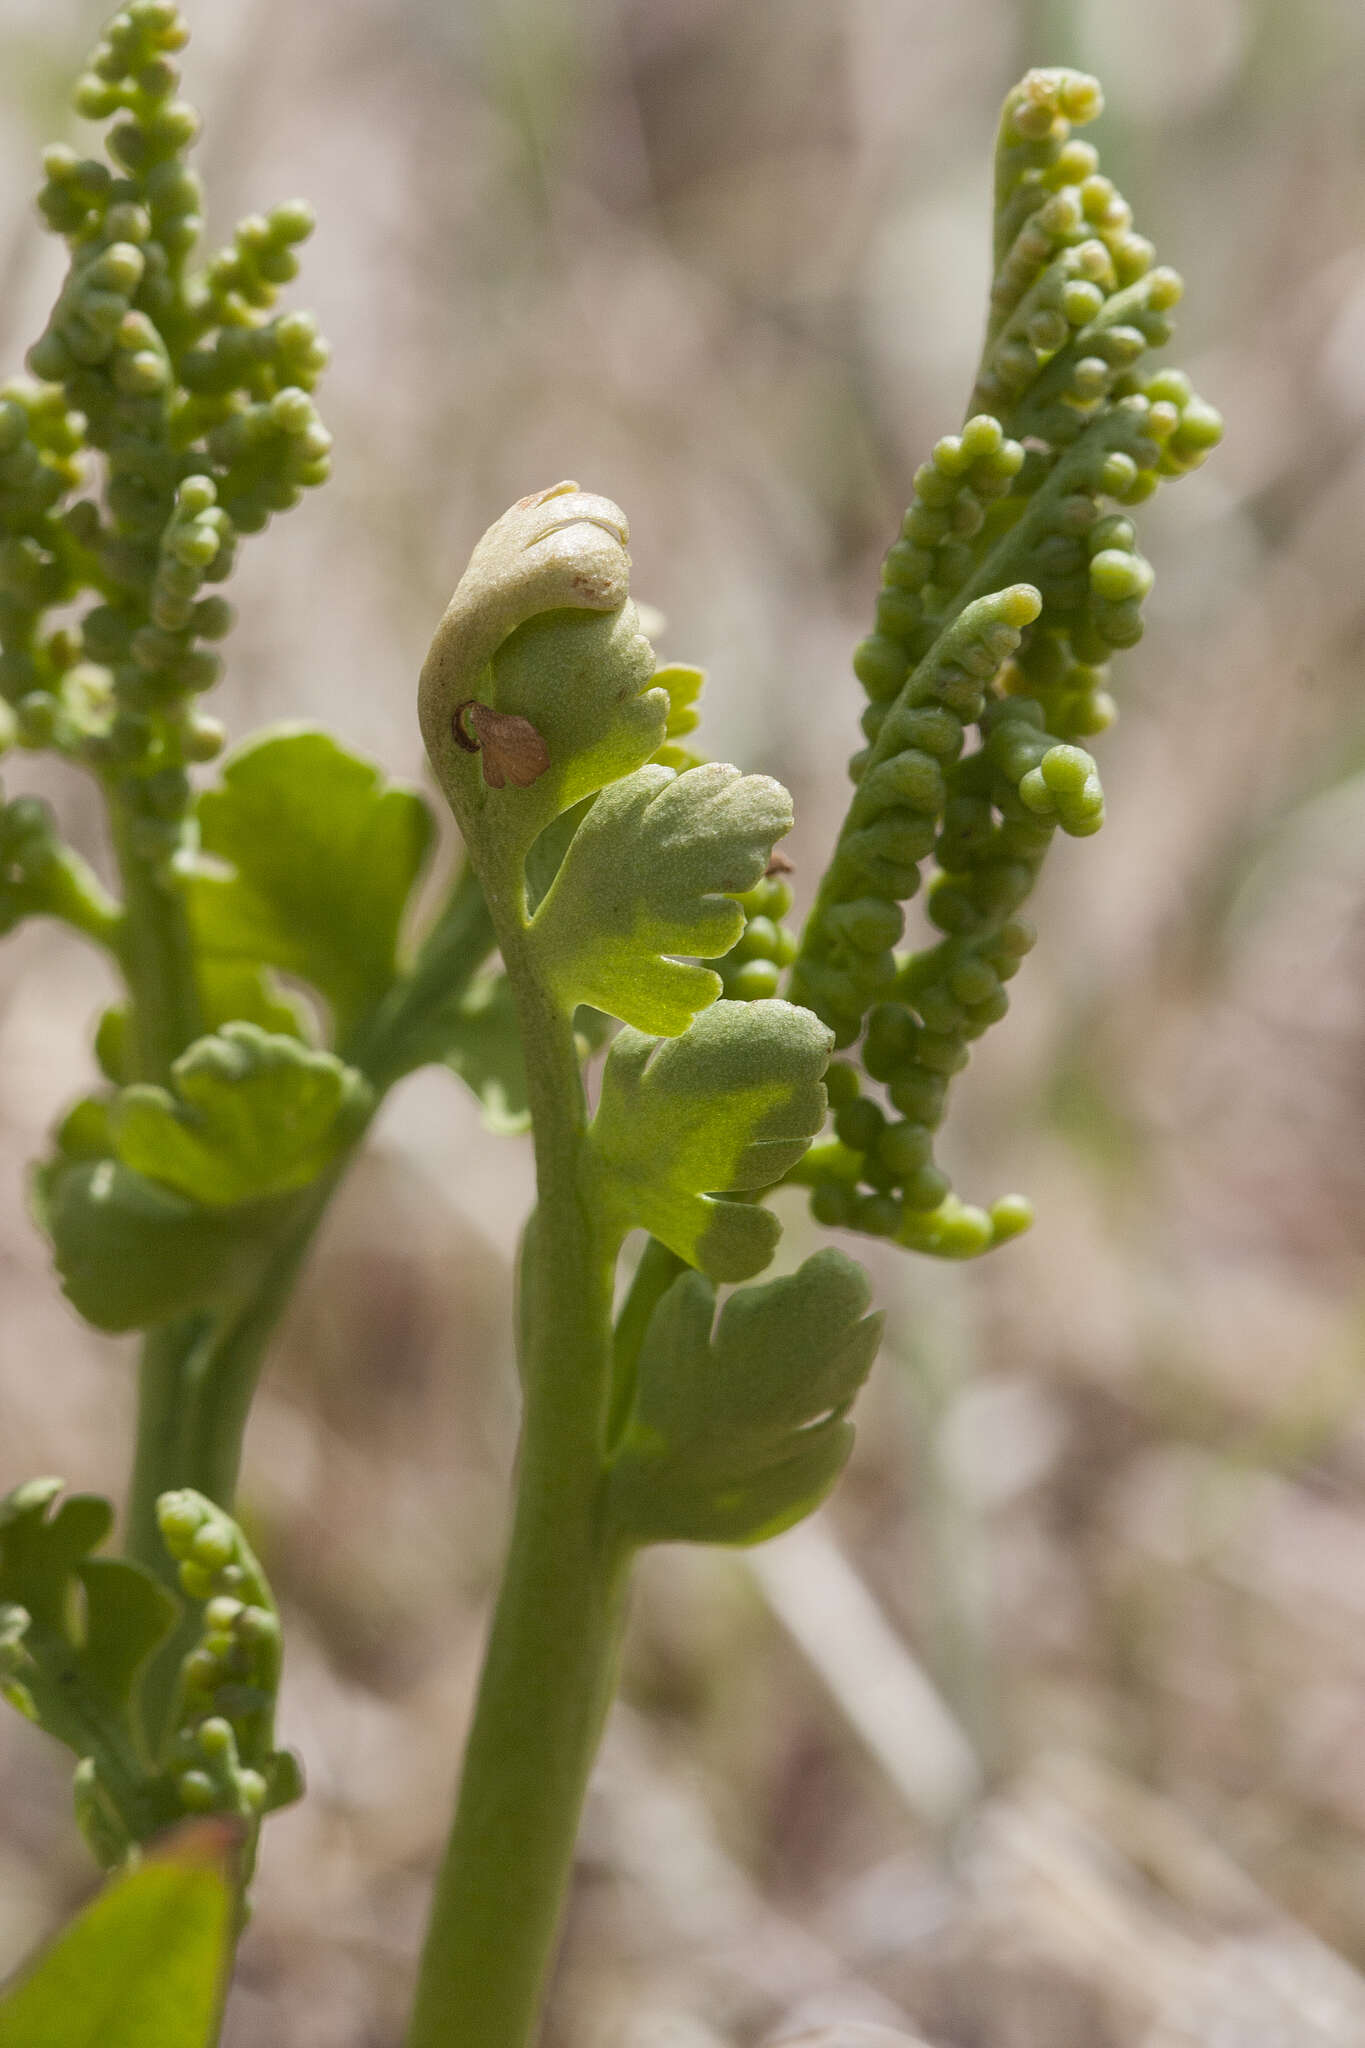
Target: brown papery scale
[513,751]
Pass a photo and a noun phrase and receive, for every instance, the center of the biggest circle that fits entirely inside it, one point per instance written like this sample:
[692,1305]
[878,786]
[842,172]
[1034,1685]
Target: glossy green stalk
[156,951]
[197,1378]
[198,1375]
[551,1660]
[550,1665]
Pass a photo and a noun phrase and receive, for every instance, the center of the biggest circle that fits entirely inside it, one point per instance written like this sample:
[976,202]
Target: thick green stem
[156,949]
[546,1686]
[163,1375]
[199,1374]
[399,1034]
[197,1380]
[550,1667]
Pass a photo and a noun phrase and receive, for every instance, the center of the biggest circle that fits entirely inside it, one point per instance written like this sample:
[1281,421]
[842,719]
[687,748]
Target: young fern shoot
[634,897]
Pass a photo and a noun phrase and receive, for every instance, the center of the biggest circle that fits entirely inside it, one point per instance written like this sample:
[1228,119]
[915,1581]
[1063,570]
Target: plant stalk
[156,950]
[196,1383]
[550,1666]
[198,1374]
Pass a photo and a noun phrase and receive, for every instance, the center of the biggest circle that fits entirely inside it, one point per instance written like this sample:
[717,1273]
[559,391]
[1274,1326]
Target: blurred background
[1049,1732]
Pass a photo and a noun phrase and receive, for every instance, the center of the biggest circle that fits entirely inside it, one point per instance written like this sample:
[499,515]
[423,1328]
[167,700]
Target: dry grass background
[1048,1734]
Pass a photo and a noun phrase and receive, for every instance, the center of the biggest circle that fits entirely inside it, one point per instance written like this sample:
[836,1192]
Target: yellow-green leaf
[145,1965]
[653,871]
[250,1115]
[312,860]
[734,1436]
[731,1105]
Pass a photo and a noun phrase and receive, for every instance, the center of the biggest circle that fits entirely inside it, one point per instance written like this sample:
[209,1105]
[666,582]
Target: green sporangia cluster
[222,1753]
[753,968]
[171,413]
[1013,580]
[77,1631]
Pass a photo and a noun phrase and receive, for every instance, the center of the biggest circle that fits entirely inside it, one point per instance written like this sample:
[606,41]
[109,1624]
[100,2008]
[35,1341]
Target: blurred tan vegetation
[1048,1732]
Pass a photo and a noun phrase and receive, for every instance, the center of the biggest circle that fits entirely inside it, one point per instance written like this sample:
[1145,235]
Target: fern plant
[619,891]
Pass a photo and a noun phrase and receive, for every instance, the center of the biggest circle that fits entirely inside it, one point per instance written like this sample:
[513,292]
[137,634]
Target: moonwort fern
[620,891]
